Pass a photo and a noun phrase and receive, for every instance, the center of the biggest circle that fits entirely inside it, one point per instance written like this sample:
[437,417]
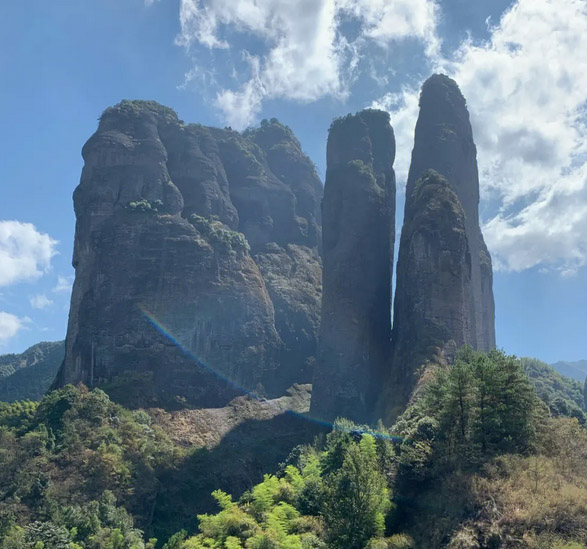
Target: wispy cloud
[64,284]
[526,89]
[40,301]
[25,253]
[10,325]
[306,56]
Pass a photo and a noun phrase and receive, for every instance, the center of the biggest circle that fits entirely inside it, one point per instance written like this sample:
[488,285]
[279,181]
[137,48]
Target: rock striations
[431,309]
[444,295]
[444,142]
[198,273]
[358,212]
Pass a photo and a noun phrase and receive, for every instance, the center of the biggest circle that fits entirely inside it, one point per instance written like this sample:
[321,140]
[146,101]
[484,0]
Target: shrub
[145,206]
[219,235]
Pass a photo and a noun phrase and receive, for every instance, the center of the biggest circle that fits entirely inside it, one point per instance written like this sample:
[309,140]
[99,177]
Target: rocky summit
[207,266]
[433,296]
[198,274]
[358,238]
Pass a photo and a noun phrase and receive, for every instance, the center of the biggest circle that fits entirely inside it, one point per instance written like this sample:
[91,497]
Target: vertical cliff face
[444,142]
[431,309]
[278,198]
[358,235]
[172,285]
[444,295]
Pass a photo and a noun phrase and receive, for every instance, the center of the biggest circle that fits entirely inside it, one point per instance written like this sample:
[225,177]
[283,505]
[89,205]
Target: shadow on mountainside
[247,452]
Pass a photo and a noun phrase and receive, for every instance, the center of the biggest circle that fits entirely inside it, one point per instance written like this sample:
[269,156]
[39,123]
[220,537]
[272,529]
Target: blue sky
[521,66]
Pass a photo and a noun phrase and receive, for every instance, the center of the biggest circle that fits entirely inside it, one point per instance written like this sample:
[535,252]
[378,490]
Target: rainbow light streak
[359,430]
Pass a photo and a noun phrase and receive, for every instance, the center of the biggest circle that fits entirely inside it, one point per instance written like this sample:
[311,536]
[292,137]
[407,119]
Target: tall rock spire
[444,142]
[444,295]
[358,223]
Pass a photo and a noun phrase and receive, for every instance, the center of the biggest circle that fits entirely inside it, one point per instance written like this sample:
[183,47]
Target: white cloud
[403,107]
[40,301]
[64,284]
[386,21]
[25,253]
[10,325]
[307,56]
[526,90]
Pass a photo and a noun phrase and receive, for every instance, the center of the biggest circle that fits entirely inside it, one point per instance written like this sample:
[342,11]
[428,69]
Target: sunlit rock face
[198,274]
[434,287]
[444,294]
[444,143]
[358,213]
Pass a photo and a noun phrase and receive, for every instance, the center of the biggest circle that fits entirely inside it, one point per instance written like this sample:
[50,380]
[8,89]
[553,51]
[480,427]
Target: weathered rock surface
[444,143]
[238,445]
[173,223]
[358,213]
[431,309]
[207,427]
[444,295]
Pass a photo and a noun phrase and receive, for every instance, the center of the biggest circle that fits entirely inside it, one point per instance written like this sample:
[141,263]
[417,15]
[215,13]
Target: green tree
[505,404]
[357,498]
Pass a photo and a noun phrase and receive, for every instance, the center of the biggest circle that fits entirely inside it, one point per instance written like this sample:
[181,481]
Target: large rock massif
[433,295]
[444,143]
[198,273]
[358,237]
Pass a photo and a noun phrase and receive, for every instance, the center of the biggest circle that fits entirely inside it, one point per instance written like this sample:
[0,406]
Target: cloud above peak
[302,53]
[526,88]
[527,92]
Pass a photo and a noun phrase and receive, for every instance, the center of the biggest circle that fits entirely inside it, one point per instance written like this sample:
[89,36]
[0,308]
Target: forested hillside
[30,374]
[576,370]
[477,460]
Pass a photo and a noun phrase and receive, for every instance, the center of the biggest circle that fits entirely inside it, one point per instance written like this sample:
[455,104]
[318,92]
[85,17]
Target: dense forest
[491,452]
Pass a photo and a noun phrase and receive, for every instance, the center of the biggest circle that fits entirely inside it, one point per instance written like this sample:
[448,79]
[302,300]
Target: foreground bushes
[478,460]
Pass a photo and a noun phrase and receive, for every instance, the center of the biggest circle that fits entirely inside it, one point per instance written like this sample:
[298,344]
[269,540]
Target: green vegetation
[562,395]
[219,235]
[74,468]
[272,133]
[145,206]
[29,375]
[484,405]
[331,494]
[134,108]
[477,460]
[576,370]
[342,121]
